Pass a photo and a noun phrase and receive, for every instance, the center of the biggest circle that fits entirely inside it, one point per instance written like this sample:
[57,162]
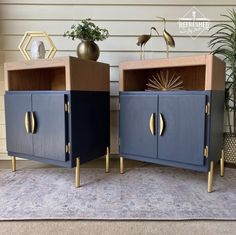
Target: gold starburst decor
[163,81]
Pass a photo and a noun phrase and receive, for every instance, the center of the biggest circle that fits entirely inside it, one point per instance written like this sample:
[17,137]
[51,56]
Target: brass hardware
[13,163]
[152,123]
[142,40]
[33,123]
[68,148]
[67,106]
[165,81]
[27,39]
[107,160]
[210,177]
[121,165]
[168,38]
[206,151]
[222,167]
[27,122]
[207,108]
[77,173]
[161,124]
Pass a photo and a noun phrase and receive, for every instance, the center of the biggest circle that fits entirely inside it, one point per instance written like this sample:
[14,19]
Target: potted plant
[223,43]
[88,33]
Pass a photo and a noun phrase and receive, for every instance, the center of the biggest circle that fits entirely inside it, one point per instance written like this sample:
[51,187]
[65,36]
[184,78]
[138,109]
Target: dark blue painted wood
[183,137]
[201,168]
[16,105]
[209,132]
[89,124]
[86,127]
[50,137]
[40,159]
[135,135]
[216,125]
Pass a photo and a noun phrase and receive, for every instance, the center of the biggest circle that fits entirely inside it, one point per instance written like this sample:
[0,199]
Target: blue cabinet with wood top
[57,111]
[37,125]
[181,128]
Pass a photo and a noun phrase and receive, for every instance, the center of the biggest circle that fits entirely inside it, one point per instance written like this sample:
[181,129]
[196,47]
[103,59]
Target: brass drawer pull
[161,124]
[152,123]
[27,122]
[33,122]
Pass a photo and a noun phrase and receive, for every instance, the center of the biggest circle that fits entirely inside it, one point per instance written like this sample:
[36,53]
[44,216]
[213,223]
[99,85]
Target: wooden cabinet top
[65,73]
[203,72]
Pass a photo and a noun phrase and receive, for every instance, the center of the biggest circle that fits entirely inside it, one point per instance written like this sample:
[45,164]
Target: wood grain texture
[50,135]
[19,141]
[68,73]
[205,72]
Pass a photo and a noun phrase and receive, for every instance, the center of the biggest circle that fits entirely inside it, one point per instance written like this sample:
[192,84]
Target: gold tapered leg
[210,177]
[121,165]
[107,161]
[13,163]
[77,173]
[222,164]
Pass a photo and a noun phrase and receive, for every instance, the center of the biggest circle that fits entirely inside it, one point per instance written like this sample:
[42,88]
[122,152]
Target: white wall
[125,20]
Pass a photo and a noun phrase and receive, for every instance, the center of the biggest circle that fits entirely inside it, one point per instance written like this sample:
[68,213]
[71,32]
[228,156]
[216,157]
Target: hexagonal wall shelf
[27,39]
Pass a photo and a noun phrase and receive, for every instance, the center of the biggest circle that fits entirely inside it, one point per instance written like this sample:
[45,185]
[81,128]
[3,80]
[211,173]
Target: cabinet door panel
[184,128]
[49,139]
[18,140]
[135,135]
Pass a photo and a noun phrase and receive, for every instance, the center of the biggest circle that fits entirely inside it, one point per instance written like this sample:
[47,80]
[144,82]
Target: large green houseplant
[88,33]
[223,44]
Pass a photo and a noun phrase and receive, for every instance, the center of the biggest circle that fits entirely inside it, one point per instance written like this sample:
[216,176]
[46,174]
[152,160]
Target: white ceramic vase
[38,50]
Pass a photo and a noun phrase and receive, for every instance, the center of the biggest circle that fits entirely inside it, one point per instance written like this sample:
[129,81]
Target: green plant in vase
[88,33]
[223,44]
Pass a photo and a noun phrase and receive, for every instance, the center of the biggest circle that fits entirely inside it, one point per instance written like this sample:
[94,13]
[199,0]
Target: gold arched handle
[152,123]
[27,123]
[33,122]
[161,124]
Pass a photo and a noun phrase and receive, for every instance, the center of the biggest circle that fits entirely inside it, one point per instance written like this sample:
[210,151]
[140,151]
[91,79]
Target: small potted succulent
[88,33]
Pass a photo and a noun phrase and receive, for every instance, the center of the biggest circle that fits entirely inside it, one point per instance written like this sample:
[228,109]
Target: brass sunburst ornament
[162,81]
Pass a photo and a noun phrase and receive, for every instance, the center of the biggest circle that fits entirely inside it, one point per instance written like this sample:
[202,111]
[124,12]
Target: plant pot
[88,50]
[230,148]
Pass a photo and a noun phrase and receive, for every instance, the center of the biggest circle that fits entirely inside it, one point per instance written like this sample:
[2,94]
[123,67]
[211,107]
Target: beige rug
[145,193]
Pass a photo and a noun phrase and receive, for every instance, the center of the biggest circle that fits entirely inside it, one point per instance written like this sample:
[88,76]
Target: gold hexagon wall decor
[27,39]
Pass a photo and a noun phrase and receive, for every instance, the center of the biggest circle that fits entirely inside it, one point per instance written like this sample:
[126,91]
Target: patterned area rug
[144,193]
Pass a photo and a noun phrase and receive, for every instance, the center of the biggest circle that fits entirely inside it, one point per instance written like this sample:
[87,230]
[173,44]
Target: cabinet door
[135,134]
[183,136]
[18,140]
[49,139]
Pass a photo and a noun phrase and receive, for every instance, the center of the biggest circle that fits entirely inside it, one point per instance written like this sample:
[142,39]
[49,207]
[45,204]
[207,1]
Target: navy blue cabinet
[135,135]
[36,125]
[17,111]
[159,125]
[58,111]
[181,128]
[51,124]
[182,138]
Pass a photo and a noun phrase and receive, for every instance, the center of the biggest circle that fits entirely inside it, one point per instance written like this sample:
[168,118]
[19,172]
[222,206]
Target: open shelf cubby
[197,72]
[37,79]
[63,73]
[193,77]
